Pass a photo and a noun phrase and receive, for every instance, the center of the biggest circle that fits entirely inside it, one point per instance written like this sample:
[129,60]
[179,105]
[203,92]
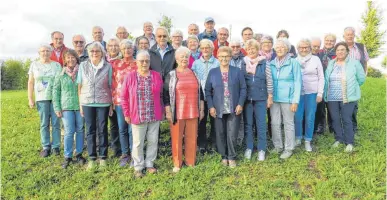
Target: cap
[209,19]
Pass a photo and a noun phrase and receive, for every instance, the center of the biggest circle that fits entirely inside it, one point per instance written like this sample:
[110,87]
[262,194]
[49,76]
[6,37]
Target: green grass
[325,173]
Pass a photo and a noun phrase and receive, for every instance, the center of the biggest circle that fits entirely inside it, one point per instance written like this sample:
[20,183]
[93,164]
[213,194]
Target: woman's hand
[238,110]
[127,119]
[269,101]
[168,115]
[293,107]
[59,114]
[318,99]
[201,115]
[81,111]
[213,112]
[31,103]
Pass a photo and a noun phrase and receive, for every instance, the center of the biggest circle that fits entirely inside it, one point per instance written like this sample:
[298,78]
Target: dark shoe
[66,162]
[124,160]
[202,151]
[45,153]
[80,160]
[56,151]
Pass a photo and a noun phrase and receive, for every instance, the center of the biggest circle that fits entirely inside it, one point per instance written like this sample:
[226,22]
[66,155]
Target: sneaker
[151,170]
[349,148]
[56,151]
[124,160]
[286,154]
[66,162]
[308,146]
[298,142]
[45,153]
[224,162]
[102,163]
[202,151]
[131,163]
[232,163]
[92,164]
[80,160]
[138,174]
[261,155]
[175,169]
[336,144]
[248,154]
[276,150]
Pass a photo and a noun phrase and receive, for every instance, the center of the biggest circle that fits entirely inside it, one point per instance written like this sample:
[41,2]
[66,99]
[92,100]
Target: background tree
[166,22]
[371,35]
[384,62]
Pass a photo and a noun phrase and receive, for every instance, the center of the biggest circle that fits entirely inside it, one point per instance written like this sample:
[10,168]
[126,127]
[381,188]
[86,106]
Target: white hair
[181,50]
[80,35]
[126,43]
[315,38]
[49,47]
[235,41]
[97,27]
[207,42]
[330,35]
[306,41]
[162,28]
[283,41]
[177,32]
[192,37]
[350,28]
[96,44]
[111,40]
[142,52]
[223,28]
[122,27]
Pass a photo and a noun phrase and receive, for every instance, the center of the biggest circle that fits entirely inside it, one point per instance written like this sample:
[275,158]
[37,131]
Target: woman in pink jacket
[141,101]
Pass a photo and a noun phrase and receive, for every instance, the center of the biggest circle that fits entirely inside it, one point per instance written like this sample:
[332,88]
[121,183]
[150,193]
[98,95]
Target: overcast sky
[24,25]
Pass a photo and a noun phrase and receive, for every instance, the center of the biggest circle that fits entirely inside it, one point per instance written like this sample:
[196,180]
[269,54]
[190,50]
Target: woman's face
[193,44]
[224,58]
[303,49]
[143,63]
[182,59]
[44,53]
[266,45]
[252,52]
[70,60]
[206,51]
[96,53]
[143,44]
[113,48]
[329,42]
[341,52]
[281,50]
[127,51]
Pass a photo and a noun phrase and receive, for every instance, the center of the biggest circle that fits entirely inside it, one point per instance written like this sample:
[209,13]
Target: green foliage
[325,173]
[375,73]
[384,62]
[166,22]
[14,74]
[371,35]
[131,37]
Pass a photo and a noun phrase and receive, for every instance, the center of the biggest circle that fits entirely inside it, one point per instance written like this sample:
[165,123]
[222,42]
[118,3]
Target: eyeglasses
[304,48]
[162,36]
[95,51]
[235,47]
[143,61]
[143,43]
[78,42]
[113,46]
[223,57]
[266,42]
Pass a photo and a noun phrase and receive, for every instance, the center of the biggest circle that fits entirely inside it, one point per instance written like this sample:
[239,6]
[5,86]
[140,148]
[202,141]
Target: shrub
[14,74]
[375,73]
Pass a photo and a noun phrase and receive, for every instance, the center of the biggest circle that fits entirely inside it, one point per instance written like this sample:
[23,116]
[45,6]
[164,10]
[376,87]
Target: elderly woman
[41,77]
[286,73]
[201,67]
[142,43]
[285,34]
[226,93]
[193,46]
[183,99]
[120,69]
[343,78]
[113,50]
[311,92]
[177,39]
[95,97]
[326,54]
[259,84]
[66,106]
[141,101]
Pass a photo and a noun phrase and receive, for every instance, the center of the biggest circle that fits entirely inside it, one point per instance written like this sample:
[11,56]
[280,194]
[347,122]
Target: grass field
[325,173]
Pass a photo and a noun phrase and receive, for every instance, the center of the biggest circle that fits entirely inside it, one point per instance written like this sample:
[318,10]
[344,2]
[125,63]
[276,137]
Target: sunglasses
[78,42]
[162,36]
[143,61]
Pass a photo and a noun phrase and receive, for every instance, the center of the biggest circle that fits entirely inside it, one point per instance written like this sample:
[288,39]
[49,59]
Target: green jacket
[65,93]
[353,78]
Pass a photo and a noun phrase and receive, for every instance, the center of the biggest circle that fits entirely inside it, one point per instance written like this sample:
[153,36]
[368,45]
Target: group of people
[242,88]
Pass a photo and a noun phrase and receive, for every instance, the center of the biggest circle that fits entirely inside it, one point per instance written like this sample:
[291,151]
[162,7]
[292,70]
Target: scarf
[71,72]
[267,55]
[328,54]
[279,63]
[99,66]
[251,64]
[304,60]
[110,59]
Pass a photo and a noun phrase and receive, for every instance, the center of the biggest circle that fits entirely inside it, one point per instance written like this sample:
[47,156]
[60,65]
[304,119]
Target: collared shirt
[146,104]
[84,56]
[202,67]
[196,55]
[152,40]
[162,52]
[355,53]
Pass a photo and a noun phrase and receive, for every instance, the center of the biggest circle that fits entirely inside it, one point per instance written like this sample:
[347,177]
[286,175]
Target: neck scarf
[71,72]
[279,63]
[267,55]
[304,60]
[251,64]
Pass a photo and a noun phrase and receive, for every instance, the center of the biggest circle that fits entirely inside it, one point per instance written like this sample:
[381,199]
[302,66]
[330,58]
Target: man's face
[316,44]
[222,35]
[78,43]
[193,30]
[209,26]
[349,36]
[148,28]
[98,34]
[122,34]
[247,35]
[161,37]
[57,40]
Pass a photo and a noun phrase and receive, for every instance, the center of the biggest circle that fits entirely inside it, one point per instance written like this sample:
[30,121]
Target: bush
[374,73]
[14,74]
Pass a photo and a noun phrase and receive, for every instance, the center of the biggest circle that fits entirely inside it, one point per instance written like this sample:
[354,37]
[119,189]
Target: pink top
[120,69]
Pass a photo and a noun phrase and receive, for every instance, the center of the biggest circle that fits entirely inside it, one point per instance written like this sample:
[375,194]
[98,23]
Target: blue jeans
[125,131]
[342,124]
[96,117]
[73,123]
[307,105]
[46,112]
[258,109]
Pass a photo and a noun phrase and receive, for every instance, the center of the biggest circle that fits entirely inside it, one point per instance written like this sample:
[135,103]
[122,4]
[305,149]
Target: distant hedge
[14,74]
[375,73]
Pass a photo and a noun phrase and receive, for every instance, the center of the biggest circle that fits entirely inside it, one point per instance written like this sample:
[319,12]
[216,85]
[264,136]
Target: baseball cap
[209,19]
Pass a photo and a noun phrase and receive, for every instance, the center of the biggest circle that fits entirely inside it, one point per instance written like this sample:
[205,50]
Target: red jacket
[216,47]
[53,55]
[243,51]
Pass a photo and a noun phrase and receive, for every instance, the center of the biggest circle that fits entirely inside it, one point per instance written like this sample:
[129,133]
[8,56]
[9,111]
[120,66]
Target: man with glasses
[79,43]
[57,46]
[221,40]
[122,33]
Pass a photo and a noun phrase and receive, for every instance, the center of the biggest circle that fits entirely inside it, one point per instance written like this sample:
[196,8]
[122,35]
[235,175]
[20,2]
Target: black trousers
[354,117]
[202,130]
[227,129]
[114,135]
[322,112]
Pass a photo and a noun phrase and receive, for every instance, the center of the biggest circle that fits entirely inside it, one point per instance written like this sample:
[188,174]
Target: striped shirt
[202,67]
[335,92]
[355,53]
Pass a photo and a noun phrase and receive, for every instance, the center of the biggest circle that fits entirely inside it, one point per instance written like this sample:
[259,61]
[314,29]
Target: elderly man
[177,39]
[358,52]
[79,43]
[162,54]
[148,33]
[220,41]
[97,33]
[122,33]
[316,44]
[58,47]
[193,29]
[209,32]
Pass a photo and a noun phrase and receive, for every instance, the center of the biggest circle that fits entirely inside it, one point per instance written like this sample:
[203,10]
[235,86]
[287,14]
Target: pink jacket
[129,101]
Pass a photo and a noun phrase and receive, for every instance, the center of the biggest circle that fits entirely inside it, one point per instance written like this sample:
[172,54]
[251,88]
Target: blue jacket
[214,90]
[256,84]
[204,35]
[354,78]
[286,81]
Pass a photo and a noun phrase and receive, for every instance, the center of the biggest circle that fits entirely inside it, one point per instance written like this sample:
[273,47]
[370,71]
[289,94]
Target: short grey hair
[235,41]
[192,37]
[96,44]
[162,28]
[207,42]
[223,28]
[306,41]
[349,28]
[330,35]
[266,37]
[182,49]
[126,43]
[49,47]
[142,52]
[83,38]
[194,25]
[147,22]
[53,33]
[177,32]
[314,39]
[113,40]
[122,27]
[97,27]
[283,41]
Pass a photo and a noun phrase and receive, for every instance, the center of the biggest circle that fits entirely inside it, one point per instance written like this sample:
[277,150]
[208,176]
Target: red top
[216,48]
[120,70]
[53,56]
[187,97]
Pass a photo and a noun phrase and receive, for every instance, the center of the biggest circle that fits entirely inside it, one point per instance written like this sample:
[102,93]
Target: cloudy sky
[24,25]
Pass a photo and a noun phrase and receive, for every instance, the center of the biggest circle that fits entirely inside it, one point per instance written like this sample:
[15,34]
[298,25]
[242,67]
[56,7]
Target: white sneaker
[276,150]
[349,148]
[308,146]
[102,163]
[248,154]
[336,144]
[175,169]
[261,155]
[286,154]
[298,142]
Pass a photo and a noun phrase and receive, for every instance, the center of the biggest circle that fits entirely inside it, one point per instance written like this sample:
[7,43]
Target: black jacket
[163,66]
